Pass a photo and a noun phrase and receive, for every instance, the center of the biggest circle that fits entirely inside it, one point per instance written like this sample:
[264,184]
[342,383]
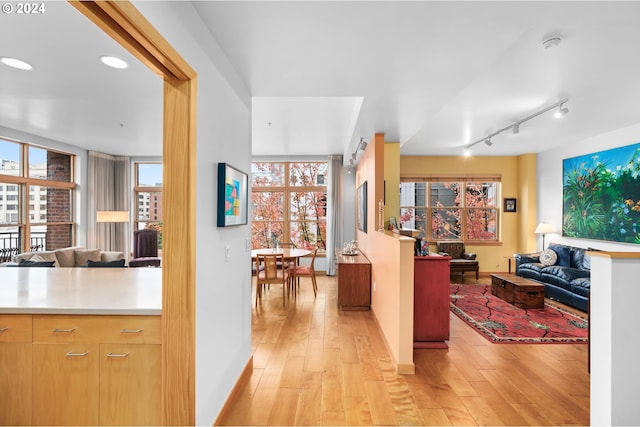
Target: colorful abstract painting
[233,193]
[601,195]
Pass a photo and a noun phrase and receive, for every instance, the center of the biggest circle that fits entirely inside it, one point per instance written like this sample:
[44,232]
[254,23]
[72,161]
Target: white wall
[223,288]
[550,185]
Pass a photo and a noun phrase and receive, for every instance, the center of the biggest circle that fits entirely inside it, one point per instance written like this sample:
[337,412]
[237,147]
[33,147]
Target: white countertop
[80,290]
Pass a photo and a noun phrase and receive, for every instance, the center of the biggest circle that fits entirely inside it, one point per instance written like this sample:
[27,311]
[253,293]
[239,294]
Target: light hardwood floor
[317,365]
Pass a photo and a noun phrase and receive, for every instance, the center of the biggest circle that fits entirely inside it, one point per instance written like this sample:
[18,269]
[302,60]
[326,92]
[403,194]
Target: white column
[615,368]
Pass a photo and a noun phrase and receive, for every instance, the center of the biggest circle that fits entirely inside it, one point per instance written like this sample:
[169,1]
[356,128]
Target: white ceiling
[434,76]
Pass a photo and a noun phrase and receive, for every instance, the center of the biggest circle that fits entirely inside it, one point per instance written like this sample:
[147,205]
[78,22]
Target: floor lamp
[112,217]
[543,228]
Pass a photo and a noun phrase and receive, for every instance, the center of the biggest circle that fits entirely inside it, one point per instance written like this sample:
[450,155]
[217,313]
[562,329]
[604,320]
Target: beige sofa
[70,257]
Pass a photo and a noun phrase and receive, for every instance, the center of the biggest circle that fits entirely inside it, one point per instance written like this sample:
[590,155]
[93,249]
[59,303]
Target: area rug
[501,322]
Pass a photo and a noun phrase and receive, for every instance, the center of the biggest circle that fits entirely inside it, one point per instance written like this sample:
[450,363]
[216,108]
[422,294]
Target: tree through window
[289,202]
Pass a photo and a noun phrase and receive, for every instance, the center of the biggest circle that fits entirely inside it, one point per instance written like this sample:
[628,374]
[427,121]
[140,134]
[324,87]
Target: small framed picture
[393,223]
[510,205]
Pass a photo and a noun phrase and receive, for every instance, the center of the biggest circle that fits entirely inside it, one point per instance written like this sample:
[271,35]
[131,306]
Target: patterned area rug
[501,322]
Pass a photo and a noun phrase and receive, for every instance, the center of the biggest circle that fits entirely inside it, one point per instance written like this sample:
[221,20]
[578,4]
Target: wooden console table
[354,281]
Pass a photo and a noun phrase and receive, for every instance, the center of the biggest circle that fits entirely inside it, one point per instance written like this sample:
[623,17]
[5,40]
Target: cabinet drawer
[97,329]
[15,327]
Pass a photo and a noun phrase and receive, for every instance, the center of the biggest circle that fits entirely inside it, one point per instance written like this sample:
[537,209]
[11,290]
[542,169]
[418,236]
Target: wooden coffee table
[516,290]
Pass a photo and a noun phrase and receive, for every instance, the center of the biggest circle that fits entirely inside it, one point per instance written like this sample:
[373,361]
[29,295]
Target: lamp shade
[112,216]
[543,228]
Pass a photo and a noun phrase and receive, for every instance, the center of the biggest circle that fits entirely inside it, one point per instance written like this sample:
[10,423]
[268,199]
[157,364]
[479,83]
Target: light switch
[227,252]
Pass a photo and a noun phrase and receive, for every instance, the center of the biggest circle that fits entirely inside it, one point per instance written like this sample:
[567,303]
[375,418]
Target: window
[451,209]
[148,186]
[49,177]
[289,203]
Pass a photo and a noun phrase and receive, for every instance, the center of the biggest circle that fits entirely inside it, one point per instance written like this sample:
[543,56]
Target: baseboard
[243,379]
[401,368]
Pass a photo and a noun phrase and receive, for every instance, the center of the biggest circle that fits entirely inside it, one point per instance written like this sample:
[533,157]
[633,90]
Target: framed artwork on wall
[233,196]
[510,205]
[361,205]
[601,195]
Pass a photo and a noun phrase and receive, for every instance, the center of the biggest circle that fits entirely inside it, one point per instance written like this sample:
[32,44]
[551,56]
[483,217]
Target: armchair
[461,261]
[145,249]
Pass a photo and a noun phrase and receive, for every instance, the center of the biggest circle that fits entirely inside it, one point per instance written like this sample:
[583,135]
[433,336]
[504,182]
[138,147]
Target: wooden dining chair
[268,273]
[307,271]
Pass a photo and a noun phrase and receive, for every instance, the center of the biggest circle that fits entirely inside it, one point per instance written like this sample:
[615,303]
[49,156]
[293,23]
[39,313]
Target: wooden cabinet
[91,370]
[15,369]
[354,282]
[431,302]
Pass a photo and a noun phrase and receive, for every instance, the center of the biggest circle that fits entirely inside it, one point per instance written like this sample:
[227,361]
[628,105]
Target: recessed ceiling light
[113,62]
[15,63]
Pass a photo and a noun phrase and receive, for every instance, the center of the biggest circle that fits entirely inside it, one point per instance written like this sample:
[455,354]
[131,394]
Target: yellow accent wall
[518,174]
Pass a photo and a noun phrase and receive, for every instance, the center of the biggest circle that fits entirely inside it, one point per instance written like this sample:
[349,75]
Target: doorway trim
[125,24]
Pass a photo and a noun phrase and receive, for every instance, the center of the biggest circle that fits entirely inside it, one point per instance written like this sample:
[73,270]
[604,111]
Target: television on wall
[601,195]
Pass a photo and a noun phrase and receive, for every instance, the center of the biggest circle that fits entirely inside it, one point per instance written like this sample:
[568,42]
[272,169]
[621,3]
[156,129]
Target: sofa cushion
[531,270]
[581,286]
[83,255]
[66,257]
[114,263]
[107,256]
[30,263]
[562,276]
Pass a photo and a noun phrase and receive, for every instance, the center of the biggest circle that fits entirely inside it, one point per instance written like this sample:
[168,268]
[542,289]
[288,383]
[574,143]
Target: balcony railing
[10,244]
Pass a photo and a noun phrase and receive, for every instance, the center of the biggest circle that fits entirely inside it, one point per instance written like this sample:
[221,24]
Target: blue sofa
[568,280]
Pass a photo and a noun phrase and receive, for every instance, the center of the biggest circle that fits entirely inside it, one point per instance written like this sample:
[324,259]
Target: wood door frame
[125,24]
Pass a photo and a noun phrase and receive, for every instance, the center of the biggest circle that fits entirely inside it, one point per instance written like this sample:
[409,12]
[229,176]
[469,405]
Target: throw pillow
[45,256]
[116,263]
[564,255]
[66,257]
[30,263]
[83,255]
[548,257]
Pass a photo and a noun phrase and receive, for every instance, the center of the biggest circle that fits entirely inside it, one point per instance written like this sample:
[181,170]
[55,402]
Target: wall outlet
[227,252]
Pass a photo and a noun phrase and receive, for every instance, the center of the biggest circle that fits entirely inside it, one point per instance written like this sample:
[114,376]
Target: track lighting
[362,145]
[515,127]
[562,111]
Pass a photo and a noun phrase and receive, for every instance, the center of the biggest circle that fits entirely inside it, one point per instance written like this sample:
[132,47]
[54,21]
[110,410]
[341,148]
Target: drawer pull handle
[64,331]
[117,355]
[4,329]
[130,331]
[70,354]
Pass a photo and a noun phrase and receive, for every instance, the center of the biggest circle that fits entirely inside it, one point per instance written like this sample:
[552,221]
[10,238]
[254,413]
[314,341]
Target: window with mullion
[288,203]
[454,211]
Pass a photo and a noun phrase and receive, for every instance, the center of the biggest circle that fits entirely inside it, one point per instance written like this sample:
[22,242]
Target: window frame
[23,182]
[287,189]
[152,190]
[464,211]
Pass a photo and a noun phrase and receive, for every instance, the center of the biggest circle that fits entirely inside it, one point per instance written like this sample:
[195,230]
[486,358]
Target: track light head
[562,111]
[467,152]
[515,129]
[488,142]
[362,145]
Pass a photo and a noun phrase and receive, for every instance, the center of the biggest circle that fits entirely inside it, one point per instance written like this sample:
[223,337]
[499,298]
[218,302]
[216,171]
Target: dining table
[289,255]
